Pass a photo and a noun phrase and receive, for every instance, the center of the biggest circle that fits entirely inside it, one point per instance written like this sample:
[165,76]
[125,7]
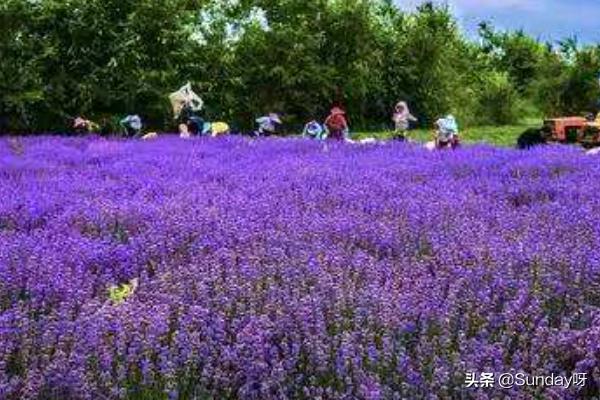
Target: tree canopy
[104,58]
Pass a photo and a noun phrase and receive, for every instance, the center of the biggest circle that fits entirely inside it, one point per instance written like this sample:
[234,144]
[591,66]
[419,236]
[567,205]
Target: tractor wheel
[530,138]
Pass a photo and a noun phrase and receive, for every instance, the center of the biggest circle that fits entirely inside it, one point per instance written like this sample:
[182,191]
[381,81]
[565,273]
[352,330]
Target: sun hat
[275,118]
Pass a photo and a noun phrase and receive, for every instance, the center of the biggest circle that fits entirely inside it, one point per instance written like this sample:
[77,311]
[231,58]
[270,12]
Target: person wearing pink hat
[337,124]
[82,125]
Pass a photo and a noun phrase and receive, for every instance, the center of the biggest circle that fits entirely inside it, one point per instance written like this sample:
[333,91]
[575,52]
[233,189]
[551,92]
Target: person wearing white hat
[267,125]
[446,132]
[132,125]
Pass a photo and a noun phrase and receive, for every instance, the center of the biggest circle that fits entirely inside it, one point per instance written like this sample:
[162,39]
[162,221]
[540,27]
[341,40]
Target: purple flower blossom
[283,269]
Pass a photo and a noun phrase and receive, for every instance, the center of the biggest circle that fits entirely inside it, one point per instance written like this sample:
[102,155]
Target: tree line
[107,58]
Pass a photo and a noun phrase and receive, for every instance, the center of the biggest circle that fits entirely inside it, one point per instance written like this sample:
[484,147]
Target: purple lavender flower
[286,269]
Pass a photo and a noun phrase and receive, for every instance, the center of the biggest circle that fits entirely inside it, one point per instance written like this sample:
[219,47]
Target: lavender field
[287,269]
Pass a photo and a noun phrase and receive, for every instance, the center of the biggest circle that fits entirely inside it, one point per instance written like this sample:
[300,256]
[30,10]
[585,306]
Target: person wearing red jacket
[337,124]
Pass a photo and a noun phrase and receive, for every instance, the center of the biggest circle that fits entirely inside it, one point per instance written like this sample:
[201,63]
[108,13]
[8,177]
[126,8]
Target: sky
[547,19]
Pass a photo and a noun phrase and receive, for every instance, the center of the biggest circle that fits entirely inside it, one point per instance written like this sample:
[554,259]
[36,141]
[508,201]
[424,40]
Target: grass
[495,135]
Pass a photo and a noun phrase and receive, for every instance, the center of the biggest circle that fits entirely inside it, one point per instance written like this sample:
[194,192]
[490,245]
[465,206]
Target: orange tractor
[574,130]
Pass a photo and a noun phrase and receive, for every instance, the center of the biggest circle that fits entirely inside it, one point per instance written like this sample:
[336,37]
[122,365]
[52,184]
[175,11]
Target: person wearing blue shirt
[314,130]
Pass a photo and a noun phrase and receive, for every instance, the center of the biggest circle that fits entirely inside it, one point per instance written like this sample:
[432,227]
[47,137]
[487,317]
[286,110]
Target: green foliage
[571,87]
[514,52]
[90,57]
[434,69]
[105,58]
[498,102]
[557,79]
[580,89]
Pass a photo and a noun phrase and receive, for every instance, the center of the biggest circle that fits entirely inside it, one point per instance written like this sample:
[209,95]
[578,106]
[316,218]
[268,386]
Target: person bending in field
[189,122]
[132,126]
[215,129]
[315,130]
[185,105]
[82,125]
[402,119]
[447,133]
[337,124]
[267,125]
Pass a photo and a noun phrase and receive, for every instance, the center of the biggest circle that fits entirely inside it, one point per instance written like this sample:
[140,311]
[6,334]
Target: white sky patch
[215,17]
